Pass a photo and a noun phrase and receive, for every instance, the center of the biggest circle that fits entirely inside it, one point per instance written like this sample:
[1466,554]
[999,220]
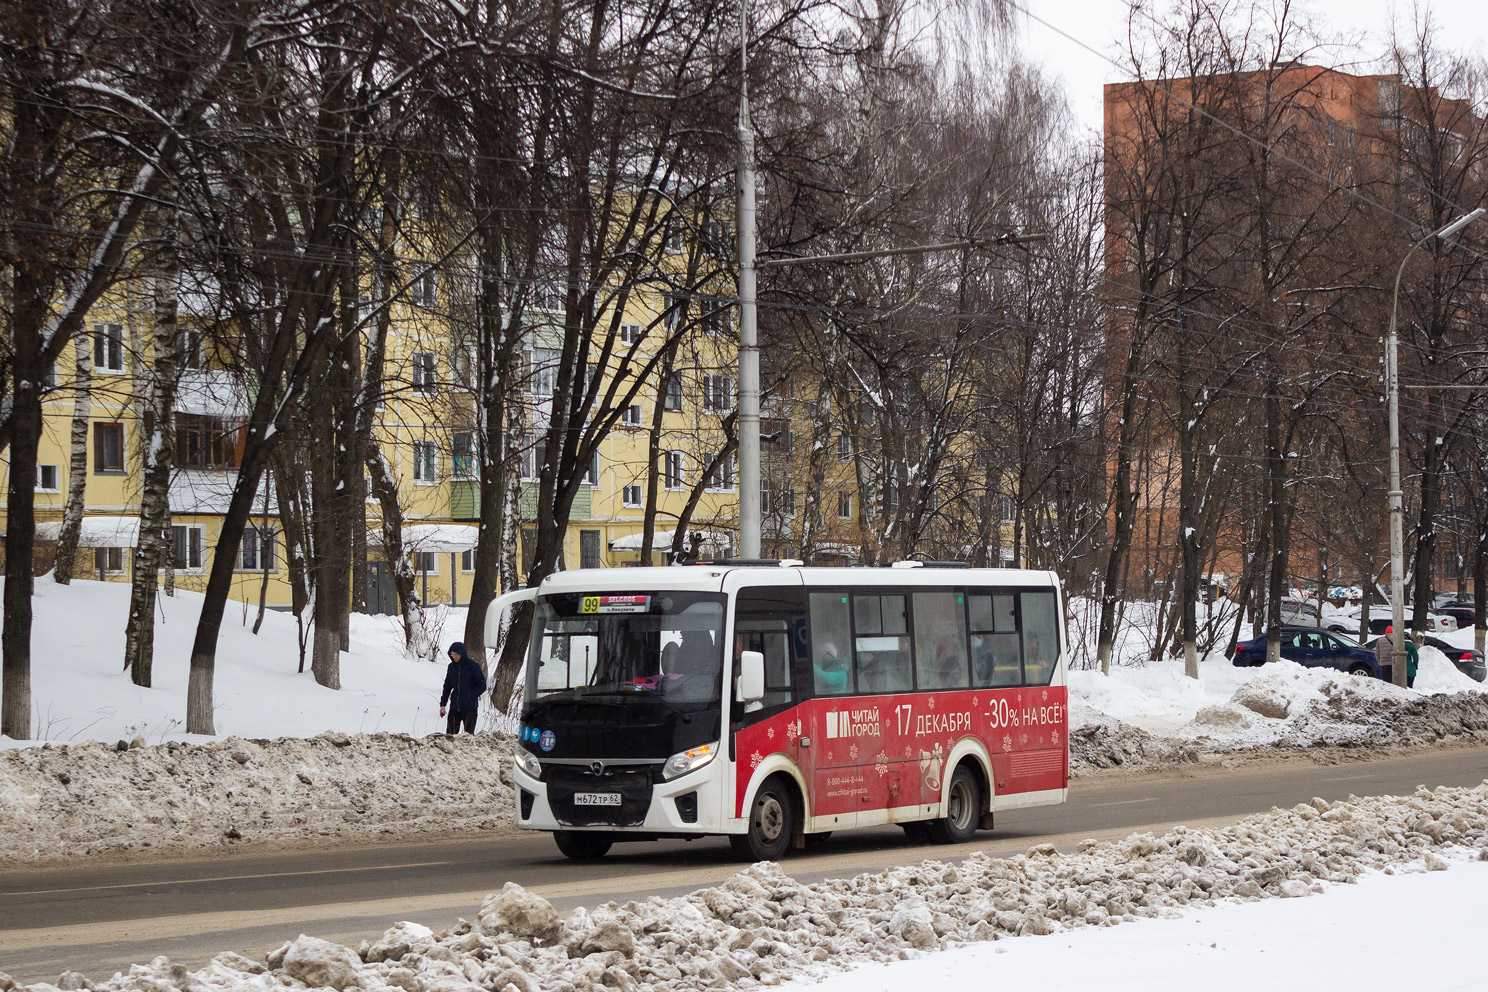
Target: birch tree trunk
[159,455]
[77,465]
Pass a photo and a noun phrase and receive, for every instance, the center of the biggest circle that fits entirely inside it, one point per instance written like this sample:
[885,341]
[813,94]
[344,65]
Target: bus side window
[1040,635]
[831,635]
[940,640]
[996,658]
[881,644]
[772,640]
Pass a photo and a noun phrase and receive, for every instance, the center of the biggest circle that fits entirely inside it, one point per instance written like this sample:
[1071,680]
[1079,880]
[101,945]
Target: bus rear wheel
[582,845]
[963,809]
[772,823]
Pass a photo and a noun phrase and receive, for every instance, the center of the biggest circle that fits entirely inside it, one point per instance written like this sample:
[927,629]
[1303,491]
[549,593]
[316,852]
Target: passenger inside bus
[830,670]
[883,664]
[947,667]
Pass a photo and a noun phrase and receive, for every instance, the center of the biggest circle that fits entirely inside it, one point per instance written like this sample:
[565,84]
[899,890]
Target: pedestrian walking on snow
[463,684]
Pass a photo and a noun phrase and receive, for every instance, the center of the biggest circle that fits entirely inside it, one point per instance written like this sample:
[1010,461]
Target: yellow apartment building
[425,426]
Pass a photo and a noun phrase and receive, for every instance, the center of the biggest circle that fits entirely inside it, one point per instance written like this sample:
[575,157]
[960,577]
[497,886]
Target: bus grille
[566,781]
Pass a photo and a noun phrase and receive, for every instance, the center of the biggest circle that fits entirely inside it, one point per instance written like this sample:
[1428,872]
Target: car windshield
[667,644]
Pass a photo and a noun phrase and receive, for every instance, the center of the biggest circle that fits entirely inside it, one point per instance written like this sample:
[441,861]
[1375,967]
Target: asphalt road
[98,919]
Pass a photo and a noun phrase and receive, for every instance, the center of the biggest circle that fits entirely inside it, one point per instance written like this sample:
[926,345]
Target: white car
[1304,613]
[1381,617]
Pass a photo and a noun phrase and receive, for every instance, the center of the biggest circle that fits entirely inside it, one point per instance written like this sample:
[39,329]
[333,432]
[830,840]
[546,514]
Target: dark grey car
[1469,661]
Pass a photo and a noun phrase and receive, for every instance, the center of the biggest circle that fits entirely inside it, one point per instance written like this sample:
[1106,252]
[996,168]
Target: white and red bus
[772,702]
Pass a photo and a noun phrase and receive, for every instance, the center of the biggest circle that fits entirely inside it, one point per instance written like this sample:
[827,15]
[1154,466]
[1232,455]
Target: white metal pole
[1397,497]
[749,379]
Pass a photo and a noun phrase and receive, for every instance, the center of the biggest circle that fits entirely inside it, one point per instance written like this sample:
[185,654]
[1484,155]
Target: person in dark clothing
[463,684]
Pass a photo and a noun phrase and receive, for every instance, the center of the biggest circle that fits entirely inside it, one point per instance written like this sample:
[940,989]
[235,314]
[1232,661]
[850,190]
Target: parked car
[1305,613]
[1469,661]
[1459,609]
[1381,617]
[1314,648]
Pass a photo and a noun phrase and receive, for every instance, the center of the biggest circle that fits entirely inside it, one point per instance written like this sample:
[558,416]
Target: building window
[186,541]
[778,502]
[591,477]
[844,506]
[674,234]
[589,549]
[47,479]
[844,447]
[108,347]
[721,478]
[108,560]
[546,296]
[673,469]
[718,393]
[426,289]
[205,442]
[462,456]
[426,562]
[632,333]
[1005,510]
[425,462]
[543,380]
[425,370]
[108,448]
[532,461]
[631,416]
[462,366]
[189,349]
[717,317]
[467,561]
[49,380]
[674,392]
[258,550]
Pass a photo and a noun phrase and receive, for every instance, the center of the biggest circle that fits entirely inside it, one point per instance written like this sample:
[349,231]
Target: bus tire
[772,823]
[963,809]
[583,845]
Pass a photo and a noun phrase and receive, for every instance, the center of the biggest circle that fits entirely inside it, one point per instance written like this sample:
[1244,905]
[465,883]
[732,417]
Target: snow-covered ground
[762,927]
[80,692]
[1373,935]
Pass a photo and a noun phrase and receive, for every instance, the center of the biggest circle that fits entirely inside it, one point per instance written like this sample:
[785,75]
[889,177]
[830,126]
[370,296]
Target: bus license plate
[596,799]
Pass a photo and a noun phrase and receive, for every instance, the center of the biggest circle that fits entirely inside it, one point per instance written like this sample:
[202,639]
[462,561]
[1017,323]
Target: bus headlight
[528,763]
[690,760]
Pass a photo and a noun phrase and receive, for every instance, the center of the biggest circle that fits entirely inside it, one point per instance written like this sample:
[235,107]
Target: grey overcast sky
[1100,24]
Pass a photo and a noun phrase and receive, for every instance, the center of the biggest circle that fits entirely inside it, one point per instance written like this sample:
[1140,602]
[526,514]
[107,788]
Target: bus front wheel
[772,822]
[583,845]
[963,809]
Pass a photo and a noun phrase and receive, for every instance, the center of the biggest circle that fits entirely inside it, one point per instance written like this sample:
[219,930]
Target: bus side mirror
[751,685]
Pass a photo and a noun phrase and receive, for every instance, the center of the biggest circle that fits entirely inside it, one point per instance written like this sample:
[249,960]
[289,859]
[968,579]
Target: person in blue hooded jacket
[463,684]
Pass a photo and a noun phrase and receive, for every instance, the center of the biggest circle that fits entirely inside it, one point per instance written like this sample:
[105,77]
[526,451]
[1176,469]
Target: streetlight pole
[1397,496]
[749,379]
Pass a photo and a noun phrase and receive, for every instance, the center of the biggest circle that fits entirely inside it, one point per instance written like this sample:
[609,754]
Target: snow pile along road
[91,798]
[762,927]
[1292,706]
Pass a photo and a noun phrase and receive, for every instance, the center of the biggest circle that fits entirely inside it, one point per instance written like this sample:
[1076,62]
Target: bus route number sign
[615,604]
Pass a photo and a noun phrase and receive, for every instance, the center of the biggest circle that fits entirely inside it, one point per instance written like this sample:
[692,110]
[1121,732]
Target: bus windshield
[640,645]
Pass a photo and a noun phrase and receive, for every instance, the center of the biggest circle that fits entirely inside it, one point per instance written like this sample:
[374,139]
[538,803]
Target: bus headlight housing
[689,760]
[528,762]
